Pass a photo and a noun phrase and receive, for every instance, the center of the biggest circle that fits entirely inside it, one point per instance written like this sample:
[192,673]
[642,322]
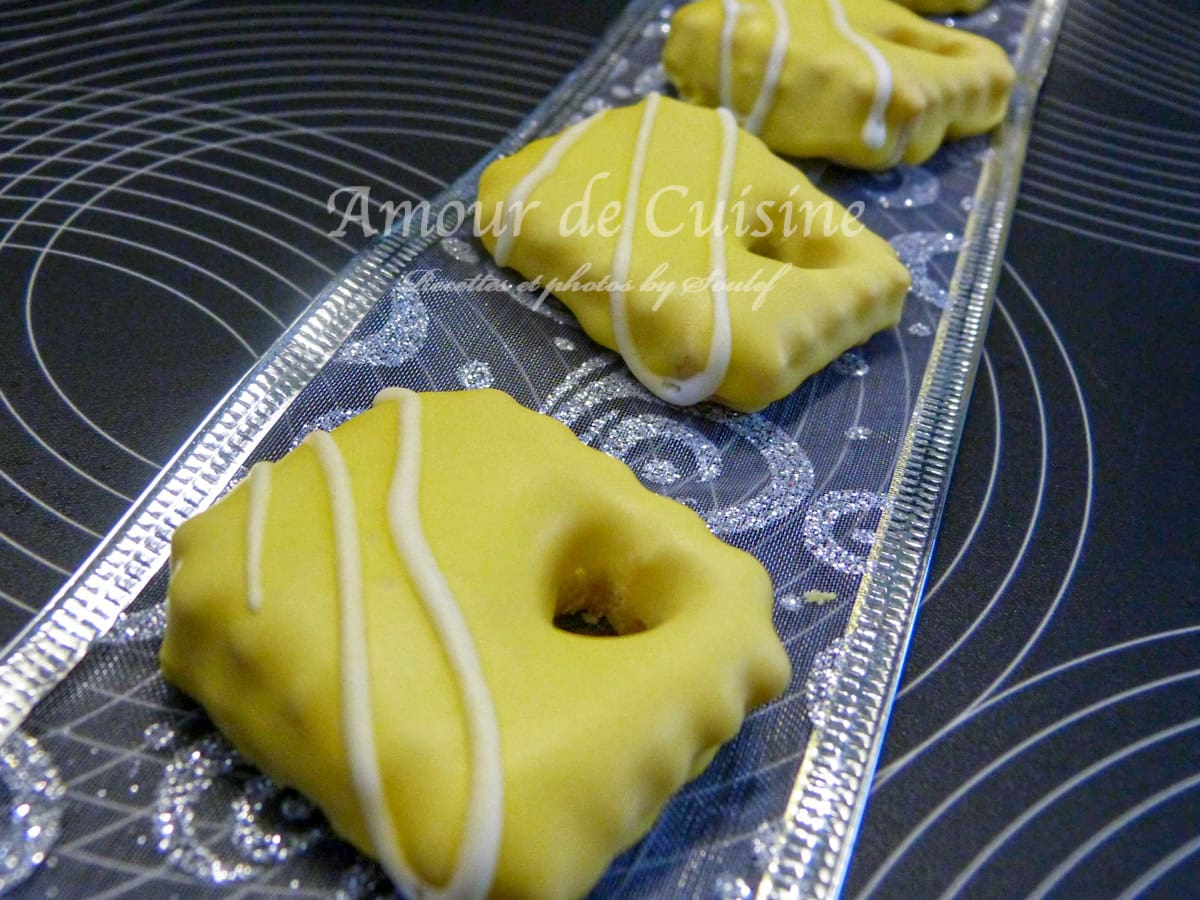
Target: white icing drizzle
[766,92]
[705,383]
[474,870]
[479,848]
[358,727]
[256,524]
[523,189]
[725,72]
[765,100]
[874,132]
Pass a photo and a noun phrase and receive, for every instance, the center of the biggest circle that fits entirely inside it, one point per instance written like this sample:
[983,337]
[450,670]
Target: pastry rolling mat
[836,489]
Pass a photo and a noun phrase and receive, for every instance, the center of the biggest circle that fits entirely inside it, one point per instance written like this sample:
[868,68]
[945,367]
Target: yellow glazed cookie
[715,269]
[371,620]
[864,82]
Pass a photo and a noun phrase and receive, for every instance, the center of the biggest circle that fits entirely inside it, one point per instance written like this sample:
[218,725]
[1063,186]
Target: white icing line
[721,345]
[623,252]
[479,848]
[358,727]
[874,133]
[725,73]
[774,68]
[515,202]
[705,383]
[256,523]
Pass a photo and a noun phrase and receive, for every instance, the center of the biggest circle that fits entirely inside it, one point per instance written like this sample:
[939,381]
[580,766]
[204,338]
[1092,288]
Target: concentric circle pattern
[1044,740]
[166,171]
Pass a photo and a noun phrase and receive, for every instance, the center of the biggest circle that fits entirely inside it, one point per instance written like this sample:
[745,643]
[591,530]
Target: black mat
[164,176]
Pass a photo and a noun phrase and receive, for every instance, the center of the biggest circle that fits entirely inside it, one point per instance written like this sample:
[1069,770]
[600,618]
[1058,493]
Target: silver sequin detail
[821,526]
[916,250]
[768,840]
[919,329]
[190,776]
[573,398]
[33,791]
[143,626]
[475,374]
[401,336]
[195,786]
[851,363]
[632,430]
[980,21]
[790,602]
[564,344]
[651,81]
[863,535]
[159,735]
[588,108]
[903,187]
[457,248]
[657,30]
[731,887]
[597,427]
[326,421]
[547,305]
[822,678]
[593,105]
[660,471]
[858,433]
[790,481]
[601,381]
[270,826]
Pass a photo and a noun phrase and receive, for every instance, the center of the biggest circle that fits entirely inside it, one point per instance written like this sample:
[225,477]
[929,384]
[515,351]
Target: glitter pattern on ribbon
[33,794]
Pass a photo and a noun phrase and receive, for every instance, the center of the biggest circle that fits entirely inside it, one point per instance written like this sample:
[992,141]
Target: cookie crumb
[819,598]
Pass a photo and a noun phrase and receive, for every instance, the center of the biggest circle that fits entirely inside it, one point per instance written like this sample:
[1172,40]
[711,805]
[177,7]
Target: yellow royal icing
[864,82]
[715,269]
[403,668]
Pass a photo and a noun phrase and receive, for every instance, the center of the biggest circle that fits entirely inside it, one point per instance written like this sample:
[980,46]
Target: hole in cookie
[803,233]
[586,624]
[590,604]
[814,252]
